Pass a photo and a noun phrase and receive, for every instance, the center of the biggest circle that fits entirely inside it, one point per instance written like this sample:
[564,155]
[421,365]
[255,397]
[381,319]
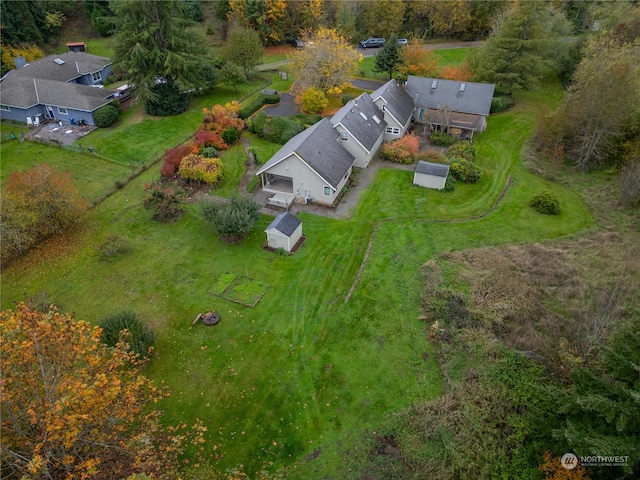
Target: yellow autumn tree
[73,408]
[29,52]
[328,62]
[267,17]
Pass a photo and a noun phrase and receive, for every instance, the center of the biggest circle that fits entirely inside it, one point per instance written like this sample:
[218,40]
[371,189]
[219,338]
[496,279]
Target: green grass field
[295,379]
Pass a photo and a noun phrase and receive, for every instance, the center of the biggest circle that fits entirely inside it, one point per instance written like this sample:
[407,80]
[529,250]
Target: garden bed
[239,289]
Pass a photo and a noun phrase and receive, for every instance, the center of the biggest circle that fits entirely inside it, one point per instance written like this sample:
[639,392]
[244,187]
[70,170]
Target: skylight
[376,119]
[434,83]
[363,116]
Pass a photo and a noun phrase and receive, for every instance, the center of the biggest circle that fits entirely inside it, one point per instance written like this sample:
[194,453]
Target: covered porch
[276,183]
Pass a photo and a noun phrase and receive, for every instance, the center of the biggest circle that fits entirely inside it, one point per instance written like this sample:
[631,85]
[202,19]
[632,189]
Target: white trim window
[63,111]
[96,77]
[327,191]
[5,108]
[393,130]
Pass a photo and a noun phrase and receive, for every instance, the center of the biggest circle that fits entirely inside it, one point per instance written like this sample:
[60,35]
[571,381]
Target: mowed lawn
[294,380]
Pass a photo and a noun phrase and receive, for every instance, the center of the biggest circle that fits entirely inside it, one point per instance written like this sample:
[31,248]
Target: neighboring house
[430,175]
[460,108]
[361,127]
[312,165]
[284,232]
[397,108]
[58,87]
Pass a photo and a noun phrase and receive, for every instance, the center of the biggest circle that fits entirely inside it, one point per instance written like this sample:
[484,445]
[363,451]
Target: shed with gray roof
[431,175]
[284,232]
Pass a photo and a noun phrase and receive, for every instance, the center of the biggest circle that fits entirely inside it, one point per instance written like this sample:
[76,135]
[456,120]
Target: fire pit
[211,318]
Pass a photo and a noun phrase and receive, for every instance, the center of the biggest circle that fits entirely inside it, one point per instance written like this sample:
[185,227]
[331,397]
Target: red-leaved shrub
[172,159]
[207,138]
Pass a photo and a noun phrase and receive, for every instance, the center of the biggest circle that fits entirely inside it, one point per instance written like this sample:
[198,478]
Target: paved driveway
[286,107]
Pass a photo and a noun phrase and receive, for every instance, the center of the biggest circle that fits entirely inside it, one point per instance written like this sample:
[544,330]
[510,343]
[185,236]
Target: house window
[62,111]
[344,136]
[393,130]
[327,191]
[5,108]
[97,76]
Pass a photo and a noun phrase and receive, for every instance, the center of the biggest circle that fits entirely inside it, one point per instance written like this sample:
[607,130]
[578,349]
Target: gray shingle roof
[364,128]
[75,64]
[286,223]
[399,103]
[318,147]
[475,98]
[23,92]
[437,169]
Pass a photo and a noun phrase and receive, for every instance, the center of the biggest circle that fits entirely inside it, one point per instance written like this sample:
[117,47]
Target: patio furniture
[36,122]
[29,122]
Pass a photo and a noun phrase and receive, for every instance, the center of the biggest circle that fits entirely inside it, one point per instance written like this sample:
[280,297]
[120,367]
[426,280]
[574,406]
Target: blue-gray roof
[398,102]
[456,96]
[318,147]
[286,223]
[436,169]
[363,119]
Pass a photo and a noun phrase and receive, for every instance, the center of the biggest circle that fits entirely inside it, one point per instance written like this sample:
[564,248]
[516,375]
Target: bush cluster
[201,169]
[232,221]
[431,156]
[106,116]
[172,159]
[462,149]
[501,103]
[276,129]
[113,247]
[140,337]
[401,151]
[164,198]
[464,171]
[442,139]
[545,202]
[346,98]
[168,101]
[314,100]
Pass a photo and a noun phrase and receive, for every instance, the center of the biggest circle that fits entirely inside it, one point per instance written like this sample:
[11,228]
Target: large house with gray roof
[58,87]
[312,165]
[316,163]
[460,108]
[361,127]
[397,108]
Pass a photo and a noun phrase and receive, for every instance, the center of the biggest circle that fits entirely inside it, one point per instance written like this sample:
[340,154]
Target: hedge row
[254,105]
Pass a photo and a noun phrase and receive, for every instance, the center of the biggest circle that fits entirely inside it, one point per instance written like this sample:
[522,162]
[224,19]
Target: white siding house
[313,165]
[431,175]
[397,108]
[361,128]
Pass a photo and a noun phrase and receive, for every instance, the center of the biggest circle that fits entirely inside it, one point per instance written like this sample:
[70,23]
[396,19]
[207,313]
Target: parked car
[402,41]
[296,42]
[372,43]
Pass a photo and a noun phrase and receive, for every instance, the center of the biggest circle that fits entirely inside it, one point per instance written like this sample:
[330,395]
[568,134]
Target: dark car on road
[372,43]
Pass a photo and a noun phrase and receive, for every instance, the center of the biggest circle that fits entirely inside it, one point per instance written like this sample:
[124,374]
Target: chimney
[20,62]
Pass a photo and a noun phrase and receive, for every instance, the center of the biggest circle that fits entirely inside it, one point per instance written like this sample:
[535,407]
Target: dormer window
[344,136]
[96,77]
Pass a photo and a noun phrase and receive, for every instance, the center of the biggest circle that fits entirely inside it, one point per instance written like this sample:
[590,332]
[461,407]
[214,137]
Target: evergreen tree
[388,58]
[152,41]
[600,409]
[521,47]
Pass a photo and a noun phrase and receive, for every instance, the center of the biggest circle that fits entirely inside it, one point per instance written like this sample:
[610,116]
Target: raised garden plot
[239,289]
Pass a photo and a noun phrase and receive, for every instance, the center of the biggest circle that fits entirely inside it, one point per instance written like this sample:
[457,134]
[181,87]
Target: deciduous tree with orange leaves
[73,408]
[415,60]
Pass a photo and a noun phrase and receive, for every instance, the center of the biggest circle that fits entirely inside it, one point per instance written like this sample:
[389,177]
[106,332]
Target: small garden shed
[284,232]
[431,175]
